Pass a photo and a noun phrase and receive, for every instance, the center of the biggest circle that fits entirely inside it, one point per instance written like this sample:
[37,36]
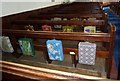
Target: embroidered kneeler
[26,45]
[55,50]
[87,53]
[5,44]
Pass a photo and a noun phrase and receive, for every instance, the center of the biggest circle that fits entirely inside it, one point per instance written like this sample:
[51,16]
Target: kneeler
[87,53]
[55,50]
[5,44]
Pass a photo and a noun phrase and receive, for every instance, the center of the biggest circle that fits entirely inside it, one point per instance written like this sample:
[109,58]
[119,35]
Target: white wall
[17,7]
[0,9]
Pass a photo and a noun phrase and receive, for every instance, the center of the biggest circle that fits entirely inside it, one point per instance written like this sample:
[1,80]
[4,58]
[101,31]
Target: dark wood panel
[60,22]
[66,16]
[105,37]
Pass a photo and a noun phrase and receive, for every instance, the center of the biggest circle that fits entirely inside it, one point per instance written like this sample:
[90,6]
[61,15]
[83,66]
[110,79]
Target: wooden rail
[101,37]
[22,72]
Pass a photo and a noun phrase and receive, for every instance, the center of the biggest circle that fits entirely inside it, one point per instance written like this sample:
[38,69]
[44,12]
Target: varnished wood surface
[37,73]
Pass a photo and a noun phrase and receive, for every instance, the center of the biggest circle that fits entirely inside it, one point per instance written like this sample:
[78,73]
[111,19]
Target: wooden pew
[99,37]
[17,31]
[75,8]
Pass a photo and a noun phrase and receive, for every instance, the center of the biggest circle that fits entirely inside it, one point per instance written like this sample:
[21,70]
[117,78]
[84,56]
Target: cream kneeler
[5,44]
